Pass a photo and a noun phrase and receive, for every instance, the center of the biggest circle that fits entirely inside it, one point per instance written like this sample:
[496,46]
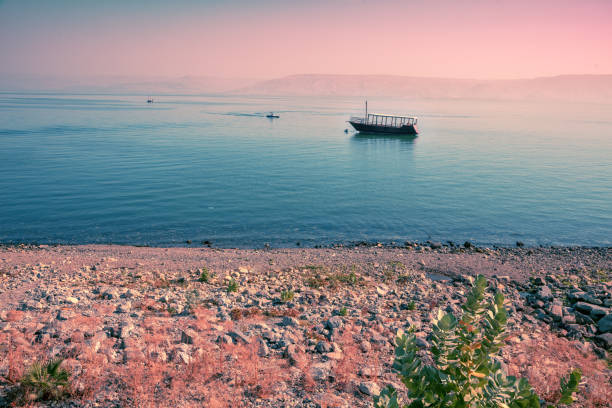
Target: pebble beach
[298,327]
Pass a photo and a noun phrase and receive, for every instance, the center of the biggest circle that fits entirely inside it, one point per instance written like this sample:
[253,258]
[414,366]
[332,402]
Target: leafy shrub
[466,371]
[204,276]
[45,382]
[232,286]
[287,295]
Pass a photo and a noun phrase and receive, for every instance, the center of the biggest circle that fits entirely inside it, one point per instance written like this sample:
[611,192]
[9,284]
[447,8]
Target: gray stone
[421,342]
[597,312]
[65,314]
[569,319]
[262,348]
[125,331]
[237,335]
[369,388]
[188,336]
[124,307]
[110,294]
[334,322]
[583,319]
[605,324]
[323,347]
[378,339]
[294,355]
[583,307]
[591,299]
[556,311]
[605,340]
[225,339]
[182,357]
[545,293]
[575,296]
[321,371]
[289,321]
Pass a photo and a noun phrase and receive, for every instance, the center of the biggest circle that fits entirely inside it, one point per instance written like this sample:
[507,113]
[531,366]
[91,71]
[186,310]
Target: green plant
[411,305]
[347,278]
[466,371]
[45,382]
[343,311]
[313,267]
[315,282]
[232,286]
[204,276]
[287,295]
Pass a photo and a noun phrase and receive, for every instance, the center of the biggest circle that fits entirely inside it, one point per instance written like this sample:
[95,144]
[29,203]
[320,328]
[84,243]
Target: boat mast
[366,109]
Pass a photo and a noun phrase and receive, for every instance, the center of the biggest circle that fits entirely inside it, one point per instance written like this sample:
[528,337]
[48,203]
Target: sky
[482,39]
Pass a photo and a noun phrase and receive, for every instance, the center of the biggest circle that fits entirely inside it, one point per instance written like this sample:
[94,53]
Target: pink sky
[272,38]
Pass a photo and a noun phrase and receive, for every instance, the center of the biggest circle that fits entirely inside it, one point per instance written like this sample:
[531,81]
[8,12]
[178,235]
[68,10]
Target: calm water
[101,169]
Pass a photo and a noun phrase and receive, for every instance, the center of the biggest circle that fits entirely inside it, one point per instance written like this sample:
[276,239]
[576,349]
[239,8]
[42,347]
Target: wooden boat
[271,115]
[379,123]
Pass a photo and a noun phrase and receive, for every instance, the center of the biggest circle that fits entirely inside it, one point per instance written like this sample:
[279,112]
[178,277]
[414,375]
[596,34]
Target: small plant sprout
[45,382]
[466,371]
[232,286]
[204,276]
[287,295]
[343,311]
[411,305]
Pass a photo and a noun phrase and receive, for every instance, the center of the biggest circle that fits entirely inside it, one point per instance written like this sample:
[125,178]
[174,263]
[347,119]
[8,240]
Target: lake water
[114,169]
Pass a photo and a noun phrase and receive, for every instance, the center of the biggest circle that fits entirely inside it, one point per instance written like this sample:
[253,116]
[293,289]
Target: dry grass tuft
[545,359]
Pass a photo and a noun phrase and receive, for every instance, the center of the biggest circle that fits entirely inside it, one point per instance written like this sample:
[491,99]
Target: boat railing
[385,120]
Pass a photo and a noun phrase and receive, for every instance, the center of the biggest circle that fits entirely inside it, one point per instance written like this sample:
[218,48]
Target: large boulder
[605,340]
[605,324]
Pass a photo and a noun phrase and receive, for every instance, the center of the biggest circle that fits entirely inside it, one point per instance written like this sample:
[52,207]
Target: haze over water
[114,169]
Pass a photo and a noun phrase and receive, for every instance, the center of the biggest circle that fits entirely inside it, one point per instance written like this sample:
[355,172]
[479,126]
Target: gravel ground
[305,327]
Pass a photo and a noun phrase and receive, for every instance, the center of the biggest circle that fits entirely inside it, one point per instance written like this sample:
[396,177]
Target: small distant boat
[379,123]
[271,115]
[149,100]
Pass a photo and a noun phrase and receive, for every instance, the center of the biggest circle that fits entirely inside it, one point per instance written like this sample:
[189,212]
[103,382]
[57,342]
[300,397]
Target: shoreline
[434,244]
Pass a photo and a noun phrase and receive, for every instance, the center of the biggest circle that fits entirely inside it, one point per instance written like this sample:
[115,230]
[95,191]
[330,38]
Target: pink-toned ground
[137,327]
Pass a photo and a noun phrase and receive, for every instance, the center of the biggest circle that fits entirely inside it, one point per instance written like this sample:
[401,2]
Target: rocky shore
[285,327]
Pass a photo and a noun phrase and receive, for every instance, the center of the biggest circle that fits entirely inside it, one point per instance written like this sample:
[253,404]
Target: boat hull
[403,130]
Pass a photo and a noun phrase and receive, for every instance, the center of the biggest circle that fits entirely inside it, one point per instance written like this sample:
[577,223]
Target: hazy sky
[272,38]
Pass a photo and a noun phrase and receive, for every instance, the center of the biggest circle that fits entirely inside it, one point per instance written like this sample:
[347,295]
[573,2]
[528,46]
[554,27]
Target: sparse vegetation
[315,282]
[187,343]
[232,286]
[345,278]
[287,295]
[45,382]
[204,275]
[466,371]
[313,267]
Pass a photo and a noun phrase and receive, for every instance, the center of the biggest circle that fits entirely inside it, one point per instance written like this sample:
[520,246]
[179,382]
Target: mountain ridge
[578,87]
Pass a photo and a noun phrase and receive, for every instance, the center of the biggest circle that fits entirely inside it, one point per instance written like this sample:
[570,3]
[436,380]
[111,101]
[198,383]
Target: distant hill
[186,85]
[577,88]
[594,88]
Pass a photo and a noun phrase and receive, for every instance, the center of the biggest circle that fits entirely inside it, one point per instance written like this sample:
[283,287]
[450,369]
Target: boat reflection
[384,137]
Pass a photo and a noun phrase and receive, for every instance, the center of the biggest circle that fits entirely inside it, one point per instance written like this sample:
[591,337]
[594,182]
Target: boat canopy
[386,120]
